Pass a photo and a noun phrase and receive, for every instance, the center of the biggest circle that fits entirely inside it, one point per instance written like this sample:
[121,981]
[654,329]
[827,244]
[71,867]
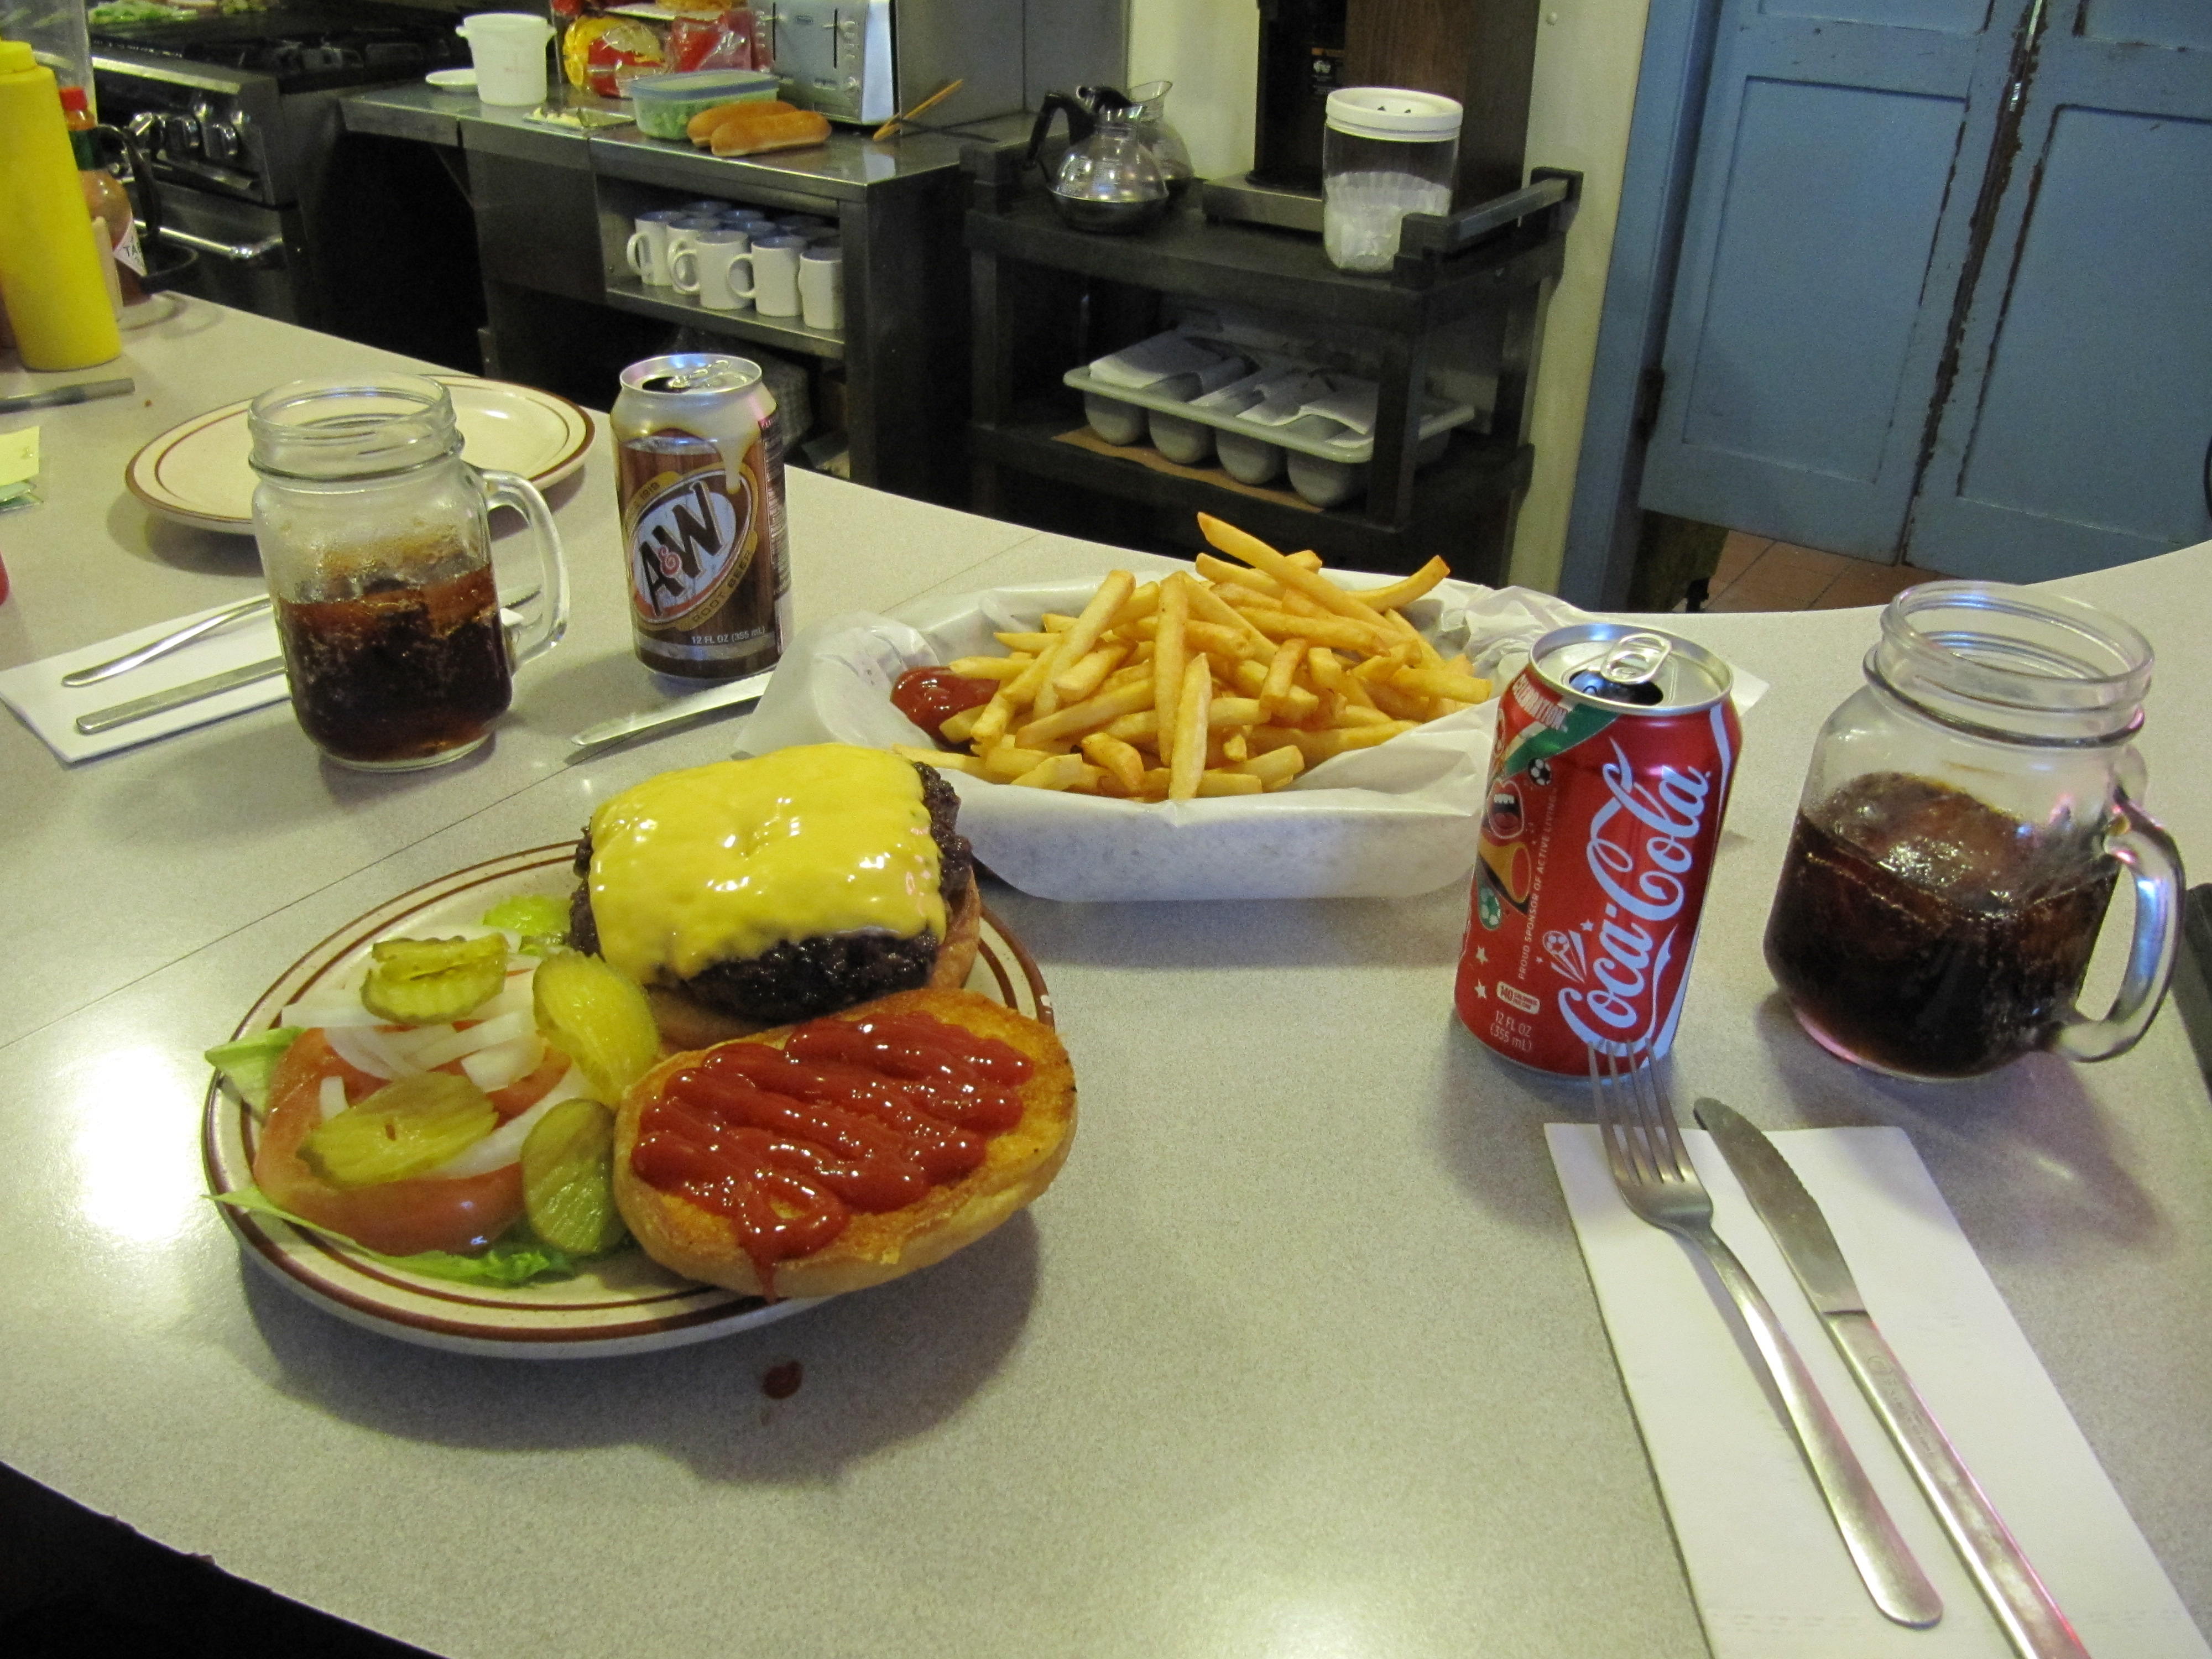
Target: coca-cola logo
[1642,845]
[687,541]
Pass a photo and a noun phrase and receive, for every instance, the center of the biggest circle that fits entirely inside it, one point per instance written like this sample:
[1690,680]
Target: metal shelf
[1476,473]
[628,294]
[1281,270]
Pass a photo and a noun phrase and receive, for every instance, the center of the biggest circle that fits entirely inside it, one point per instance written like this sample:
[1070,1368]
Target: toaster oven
[863,61]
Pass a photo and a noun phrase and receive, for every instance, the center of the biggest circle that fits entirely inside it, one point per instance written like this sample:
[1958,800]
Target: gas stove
[237,118]
[302,48]
[227,103]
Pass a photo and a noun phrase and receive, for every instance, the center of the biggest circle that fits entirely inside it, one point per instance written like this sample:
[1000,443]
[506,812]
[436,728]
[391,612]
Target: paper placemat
[1769,1575]
[51,709]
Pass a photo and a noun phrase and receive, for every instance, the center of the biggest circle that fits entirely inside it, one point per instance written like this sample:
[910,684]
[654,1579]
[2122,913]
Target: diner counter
[1298,1355]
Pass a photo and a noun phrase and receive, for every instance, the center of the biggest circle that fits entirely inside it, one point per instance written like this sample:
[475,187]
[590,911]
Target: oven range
[238,118]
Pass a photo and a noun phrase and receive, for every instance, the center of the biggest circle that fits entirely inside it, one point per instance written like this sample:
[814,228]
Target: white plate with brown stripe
[620,1303]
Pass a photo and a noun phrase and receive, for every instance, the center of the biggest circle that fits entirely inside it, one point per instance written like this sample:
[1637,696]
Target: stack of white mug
[734,258]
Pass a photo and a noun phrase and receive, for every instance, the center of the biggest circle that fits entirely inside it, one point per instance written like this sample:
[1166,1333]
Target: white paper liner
[1383,823]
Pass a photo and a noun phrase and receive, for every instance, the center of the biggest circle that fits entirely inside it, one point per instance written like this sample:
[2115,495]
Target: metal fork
[1644,1148]
[169,642]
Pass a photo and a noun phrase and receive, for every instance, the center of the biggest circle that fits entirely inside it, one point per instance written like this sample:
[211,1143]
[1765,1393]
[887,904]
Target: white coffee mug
[709,268]
[776,274]
[822,287]
[682,232]
[646,251]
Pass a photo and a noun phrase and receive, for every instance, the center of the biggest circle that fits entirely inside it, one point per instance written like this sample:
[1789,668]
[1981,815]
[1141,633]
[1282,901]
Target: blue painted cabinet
[1946,284]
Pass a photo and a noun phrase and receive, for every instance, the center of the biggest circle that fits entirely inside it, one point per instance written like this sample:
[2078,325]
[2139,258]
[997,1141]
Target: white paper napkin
[42,702]
[1769,1575]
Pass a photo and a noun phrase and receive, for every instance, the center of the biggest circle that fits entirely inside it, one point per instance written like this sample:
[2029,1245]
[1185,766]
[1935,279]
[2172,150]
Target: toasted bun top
[1019,1164]
[723,862]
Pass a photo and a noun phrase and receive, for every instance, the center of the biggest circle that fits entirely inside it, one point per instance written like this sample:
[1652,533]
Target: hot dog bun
[1019,1164]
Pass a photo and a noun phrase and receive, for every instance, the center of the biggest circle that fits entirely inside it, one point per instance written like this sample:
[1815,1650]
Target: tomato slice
[520,1096]
[398,1218]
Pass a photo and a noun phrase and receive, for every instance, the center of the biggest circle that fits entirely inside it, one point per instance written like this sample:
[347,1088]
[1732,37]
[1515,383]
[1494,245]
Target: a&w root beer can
[1616,747]
[699,464]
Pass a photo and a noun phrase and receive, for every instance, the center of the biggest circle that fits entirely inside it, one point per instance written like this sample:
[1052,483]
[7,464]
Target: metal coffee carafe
[1110,179]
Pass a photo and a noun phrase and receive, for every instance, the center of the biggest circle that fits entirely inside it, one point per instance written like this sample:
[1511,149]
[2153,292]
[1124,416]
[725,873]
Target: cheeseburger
[761,892]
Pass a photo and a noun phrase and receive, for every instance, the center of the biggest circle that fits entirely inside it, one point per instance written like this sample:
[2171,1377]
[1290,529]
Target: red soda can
[1616,746]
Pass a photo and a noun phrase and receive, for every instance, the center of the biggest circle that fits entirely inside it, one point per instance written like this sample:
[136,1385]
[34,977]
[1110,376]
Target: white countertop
[1296,1357]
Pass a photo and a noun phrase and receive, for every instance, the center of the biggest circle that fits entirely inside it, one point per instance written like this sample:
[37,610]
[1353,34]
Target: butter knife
[747,689]
[2032,1620]
[160,703]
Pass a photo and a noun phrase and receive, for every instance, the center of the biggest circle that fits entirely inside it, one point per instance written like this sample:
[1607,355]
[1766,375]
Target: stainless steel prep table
[554,206]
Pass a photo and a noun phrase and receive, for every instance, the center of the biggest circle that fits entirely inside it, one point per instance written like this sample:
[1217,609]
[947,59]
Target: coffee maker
[1302,45]
[1481,52]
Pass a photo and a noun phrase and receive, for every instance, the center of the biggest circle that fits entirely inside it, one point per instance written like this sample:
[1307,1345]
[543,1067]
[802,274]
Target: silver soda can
[699,466]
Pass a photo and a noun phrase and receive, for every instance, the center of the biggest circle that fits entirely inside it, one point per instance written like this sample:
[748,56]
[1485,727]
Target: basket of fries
[1255,727]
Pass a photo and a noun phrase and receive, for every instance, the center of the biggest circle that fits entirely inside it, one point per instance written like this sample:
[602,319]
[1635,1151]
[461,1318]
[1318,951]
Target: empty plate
[198,473]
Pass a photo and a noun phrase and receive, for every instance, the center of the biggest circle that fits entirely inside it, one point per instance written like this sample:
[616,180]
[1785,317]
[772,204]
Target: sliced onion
[503,1146]
[330,1011]
[503,1063]
[331,1096]
[513,1000]
[487,1034]
[410,1042]
[365,1048]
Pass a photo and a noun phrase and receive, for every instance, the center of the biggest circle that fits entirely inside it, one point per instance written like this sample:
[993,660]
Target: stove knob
[223,141]
[146,127]
[180,134]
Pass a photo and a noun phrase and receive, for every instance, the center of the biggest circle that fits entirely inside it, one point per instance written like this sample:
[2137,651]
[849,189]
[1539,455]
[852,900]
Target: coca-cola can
[1616,746]
[699,464]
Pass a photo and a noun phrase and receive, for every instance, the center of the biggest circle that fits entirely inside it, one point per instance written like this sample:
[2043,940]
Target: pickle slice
[434,981]
[567,1191]
[598,1018]
[541,919]
[408,1127]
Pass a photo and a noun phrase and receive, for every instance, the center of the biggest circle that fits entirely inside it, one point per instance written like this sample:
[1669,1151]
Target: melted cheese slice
[720,863]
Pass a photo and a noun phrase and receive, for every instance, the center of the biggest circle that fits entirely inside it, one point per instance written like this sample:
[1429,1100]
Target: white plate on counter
[199,474]
[620,1303]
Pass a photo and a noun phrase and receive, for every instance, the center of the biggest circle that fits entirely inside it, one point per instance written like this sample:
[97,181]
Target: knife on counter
[160,703]
[747,689]
[2032,1620]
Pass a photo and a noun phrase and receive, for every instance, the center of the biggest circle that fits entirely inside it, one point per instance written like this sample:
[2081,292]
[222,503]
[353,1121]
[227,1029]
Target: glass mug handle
[637,253]
[676,269]
[2153,865]
[511,489]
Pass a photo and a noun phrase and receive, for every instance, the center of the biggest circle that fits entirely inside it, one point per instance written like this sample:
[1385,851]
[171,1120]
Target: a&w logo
[1641,875]
[688,543]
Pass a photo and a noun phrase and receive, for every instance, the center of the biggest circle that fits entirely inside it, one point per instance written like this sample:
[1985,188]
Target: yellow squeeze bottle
[50,278]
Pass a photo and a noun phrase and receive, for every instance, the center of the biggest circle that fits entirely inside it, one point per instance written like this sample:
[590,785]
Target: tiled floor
[1756,573]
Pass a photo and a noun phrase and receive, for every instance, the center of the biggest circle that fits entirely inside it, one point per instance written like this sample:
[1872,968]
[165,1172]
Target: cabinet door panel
[2149,22]
[1837,163]
[2075,436]
[1952,16]
[1834,197]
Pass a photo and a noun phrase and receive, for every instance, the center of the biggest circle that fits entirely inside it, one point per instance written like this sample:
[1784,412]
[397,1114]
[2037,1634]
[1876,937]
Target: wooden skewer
[934,99]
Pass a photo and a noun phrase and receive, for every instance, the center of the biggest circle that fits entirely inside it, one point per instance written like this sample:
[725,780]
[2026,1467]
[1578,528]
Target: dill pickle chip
[406,1129]
[540,919]
[567,1191]
[434,981]
[598,1018]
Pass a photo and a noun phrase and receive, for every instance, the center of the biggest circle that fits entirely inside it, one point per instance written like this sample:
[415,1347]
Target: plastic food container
[665,104]
[1385,152]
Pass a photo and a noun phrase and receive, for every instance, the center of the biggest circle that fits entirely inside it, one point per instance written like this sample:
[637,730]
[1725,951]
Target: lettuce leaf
[249,1063]
[516,1258]
[543,922]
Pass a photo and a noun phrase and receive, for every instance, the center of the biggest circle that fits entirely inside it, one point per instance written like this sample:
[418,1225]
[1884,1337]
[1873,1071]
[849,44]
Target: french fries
[1230,682]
